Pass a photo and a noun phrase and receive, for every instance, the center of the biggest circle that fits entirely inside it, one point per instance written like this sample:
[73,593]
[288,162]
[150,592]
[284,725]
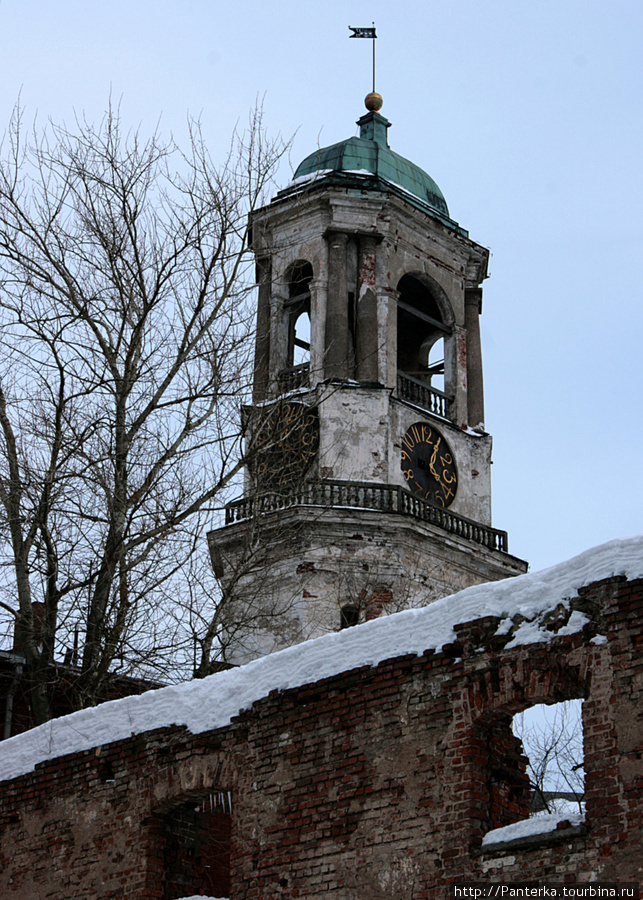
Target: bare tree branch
[125,323]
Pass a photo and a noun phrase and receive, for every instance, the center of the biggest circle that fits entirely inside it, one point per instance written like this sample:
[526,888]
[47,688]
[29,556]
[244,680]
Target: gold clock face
[287,441]
[428,464]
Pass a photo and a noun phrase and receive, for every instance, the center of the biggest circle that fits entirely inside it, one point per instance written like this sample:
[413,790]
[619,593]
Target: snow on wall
[541,824]
[211,702]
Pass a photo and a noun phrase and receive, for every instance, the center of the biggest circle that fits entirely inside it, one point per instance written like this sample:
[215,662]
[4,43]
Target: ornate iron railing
[420,394]
[388,498]
[294,377]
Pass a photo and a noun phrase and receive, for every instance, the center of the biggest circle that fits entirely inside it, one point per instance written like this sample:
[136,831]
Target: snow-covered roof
[211,702]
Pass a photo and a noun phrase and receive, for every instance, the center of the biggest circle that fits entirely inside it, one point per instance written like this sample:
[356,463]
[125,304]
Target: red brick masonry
[379,782]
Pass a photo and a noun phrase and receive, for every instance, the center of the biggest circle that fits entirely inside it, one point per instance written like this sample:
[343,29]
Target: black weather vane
[366,33]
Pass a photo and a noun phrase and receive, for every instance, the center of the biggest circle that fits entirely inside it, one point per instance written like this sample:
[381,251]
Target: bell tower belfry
[368,484]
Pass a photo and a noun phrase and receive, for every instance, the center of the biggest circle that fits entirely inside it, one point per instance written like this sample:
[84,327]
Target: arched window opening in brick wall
[497,782]
[552,739]
[196,847]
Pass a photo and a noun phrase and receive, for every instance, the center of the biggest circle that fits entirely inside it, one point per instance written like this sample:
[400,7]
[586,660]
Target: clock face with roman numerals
[428,464]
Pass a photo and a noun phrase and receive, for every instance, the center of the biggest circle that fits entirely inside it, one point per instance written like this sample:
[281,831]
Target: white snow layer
[528,827]
[199,897]
[211,702]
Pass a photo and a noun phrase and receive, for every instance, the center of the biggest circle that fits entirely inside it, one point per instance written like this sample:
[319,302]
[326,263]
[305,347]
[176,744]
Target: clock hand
[432,461]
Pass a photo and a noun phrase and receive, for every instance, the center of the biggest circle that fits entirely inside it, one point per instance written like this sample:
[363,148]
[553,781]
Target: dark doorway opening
[197,848]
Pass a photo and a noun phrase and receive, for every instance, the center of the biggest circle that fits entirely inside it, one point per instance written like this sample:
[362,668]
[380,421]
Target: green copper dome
[370,154]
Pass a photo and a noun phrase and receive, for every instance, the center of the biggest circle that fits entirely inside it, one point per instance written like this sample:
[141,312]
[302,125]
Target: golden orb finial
[373,102]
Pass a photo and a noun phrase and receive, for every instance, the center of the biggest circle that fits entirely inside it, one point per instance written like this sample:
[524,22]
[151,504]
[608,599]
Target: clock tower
[368,483]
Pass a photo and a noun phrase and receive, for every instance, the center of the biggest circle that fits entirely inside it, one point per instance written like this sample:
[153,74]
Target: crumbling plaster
[312,561]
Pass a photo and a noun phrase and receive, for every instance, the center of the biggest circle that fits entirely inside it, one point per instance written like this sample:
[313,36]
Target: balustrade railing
[408,388]
[294,377]
[420,394]
[368,495]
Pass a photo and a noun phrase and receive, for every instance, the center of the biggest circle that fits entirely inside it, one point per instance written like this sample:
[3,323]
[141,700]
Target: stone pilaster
[262,346]
[475,392]
[336,341]
[367,320]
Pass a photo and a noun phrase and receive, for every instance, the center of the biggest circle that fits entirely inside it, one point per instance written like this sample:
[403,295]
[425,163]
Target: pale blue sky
[528,116]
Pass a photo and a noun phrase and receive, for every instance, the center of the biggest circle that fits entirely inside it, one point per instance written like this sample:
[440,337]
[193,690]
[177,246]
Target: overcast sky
[528,116]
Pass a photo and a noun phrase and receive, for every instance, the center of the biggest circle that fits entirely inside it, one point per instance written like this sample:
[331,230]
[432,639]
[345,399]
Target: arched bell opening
[424,337]
[431,361]
[297,309]
[301,339]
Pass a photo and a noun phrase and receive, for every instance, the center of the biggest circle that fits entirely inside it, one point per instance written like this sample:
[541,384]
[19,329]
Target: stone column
[387,317]
[336,343]
[318,290]
[455,349]
[262,344]
[475,392]
[367,323]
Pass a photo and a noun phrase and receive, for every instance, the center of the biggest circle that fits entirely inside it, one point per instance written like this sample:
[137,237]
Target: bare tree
[552,738]
[125,324]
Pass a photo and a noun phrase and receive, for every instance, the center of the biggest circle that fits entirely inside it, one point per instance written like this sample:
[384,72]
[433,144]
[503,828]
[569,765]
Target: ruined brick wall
[376,783]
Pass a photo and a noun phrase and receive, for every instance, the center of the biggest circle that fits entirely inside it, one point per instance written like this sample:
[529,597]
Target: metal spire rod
[374,36]
[366,33]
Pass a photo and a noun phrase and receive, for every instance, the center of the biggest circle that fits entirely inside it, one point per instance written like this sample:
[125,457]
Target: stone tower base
[295,574]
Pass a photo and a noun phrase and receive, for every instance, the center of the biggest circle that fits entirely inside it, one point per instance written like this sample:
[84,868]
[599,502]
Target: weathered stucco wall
[371,449]
[379,782]
[309,562]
